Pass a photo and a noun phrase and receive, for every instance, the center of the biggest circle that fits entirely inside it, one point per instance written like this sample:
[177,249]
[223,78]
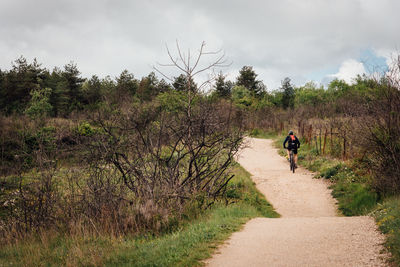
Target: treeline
[65,89]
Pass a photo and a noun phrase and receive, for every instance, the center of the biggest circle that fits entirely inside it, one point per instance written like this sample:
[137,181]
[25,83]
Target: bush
[85,129]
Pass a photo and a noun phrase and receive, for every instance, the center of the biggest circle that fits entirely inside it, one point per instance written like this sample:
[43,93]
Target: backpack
[292,141]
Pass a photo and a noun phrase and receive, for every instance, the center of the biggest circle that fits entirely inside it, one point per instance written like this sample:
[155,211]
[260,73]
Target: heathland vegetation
[114,170]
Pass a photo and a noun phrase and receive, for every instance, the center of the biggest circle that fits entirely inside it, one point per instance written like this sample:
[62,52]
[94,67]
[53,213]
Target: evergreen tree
[126,83]
[248,78]
[39,105]
[17,84]
[182,83]
[163,86]
[222,88]
[74,85]
[148,87]
[59,98]
[288,94]
[92,90]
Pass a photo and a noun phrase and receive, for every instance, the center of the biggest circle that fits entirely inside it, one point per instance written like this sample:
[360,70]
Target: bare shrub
[163,166]
[382,132]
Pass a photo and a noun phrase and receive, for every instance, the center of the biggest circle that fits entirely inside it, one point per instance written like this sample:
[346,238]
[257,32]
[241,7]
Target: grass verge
[188,246]
[387,215]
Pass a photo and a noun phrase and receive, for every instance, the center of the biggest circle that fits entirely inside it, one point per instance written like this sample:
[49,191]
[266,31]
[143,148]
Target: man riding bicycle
[293,144]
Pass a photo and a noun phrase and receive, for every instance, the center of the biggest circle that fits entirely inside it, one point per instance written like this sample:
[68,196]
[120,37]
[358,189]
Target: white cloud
[349,70]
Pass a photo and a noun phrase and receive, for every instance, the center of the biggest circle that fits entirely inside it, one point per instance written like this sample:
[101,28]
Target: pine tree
[222,88]
[248,78]
[181,83]
[288,94]
[74,85]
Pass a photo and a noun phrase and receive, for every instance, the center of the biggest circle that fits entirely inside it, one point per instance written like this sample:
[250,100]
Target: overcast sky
[301,39]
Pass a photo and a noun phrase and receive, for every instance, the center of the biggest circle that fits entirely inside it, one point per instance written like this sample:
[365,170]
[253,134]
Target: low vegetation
[189,244]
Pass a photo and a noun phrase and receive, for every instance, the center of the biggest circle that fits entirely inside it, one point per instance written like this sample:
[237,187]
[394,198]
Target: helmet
[290,132]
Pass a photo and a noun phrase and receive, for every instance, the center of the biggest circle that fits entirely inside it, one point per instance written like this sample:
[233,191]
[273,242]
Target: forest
[127,155]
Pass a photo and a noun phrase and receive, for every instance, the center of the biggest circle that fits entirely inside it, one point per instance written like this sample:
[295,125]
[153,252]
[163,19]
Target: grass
[259,133]
[387,216]
[188,246]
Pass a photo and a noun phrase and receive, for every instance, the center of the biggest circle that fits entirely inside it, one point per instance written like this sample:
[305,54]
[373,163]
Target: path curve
[309,233]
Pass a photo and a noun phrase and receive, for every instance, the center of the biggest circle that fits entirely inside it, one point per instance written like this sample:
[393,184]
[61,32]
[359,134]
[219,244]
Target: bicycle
[291,161]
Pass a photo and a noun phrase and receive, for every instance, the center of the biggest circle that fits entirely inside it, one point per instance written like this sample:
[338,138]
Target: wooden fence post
[326,133]
[344,147]
[331,140]
[320,140]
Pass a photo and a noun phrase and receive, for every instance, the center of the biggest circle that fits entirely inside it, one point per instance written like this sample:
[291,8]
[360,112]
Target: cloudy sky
[301,39]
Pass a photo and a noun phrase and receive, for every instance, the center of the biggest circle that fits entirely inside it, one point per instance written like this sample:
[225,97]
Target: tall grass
[192,242]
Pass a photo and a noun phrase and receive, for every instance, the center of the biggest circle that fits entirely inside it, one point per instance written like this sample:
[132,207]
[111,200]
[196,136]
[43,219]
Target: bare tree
[173,151]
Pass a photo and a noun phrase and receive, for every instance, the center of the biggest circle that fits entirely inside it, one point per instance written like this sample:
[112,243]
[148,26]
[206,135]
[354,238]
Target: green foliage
[85,129]
[183,84]
[173,101]
[387,216]
[39,106]
[149,87]
[309,95]
[73,89]
[338,88]
[223,88]
[288,94]
[17,84]
[241,96]
[126,82]
[248,78]
[92,91]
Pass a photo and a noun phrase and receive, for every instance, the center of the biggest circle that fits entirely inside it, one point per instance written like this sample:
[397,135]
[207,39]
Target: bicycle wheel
[292,164]
[293,167]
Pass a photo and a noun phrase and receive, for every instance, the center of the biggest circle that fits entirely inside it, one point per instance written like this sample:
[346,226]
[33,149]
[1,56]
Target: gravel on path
[310,231]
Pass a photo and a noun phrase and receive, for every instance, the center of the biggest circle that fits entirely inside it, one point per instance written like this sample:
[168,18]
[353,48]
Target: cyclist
[293,144]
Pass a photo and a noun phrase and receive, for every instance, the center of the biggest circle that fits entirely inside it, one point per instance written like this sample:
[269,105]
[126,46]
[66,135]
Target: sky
[305,40]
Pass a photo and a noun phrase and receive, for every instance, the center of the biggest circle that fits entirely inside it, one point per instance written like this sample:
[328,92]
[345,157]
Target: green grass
[188,246]
[387,216]
[259,133]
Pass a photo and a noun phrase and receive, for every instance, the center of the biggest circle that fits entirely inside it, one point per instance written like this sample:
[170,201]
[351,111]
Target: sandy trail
[309,233]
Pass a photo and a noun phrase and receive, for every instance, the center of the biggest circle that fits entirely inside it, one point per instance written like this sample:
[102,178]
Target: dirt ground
[309,233]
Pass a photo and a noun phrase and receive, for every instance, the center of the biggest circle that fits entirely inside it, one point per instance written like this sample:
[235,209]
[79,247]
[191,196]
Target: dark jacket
[292,144]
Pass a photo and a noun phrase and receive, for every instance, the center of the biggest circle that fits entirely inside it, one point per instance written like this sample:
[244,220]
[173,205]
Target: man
[293,144]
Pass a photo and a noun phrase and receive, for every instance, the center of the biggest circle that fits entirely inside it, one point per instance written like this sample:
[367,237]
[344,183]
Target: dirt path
[309,233]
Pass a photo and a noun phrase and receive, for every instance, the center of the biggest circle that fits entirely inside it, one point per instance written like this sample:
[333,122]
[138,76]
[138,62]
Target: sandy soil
[309,233]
